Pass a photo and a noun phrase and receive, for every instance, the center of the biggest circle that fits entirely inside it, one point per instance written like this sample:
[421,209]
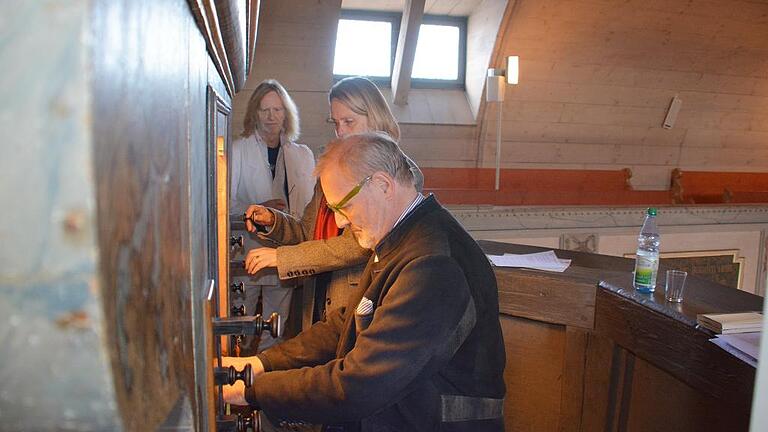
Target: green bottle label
[644,271]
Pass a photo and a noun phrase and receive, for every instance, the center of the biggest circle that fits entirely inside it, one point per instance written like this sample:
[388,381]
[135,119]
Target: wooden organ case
[224,319]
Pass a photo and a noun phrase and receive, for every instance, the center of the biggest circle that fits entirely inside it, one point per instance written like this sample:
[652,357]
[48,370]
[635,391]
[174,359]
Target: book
[744,322]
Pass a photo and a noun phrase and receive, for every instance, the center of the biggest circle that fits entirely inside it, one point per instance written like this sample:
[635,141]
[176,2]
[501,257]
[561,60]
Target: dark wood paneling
[641,352]
[574,371]
[533,374]
[662,403]
[597,383]
[566,298]
[681,351]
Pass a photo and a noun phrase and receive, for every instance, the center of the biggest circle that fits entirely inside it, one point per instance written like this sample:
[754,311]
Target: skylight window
[366,43]
[363,48]
[437,53]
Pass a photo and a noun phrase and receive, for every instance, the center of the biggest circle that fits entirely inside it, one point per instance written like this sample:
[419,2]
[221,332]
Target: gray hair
[360,155]
[291,127]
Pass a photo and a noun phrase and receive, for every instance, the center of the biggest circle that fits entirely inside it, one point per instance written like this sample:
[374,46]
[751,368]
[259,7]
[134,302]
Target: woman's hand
[275,204]
[260,258]
[259,215]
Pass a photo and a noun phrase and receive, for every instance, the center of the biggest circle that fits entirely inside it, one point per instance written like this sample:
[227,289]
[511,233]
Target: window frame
[395,19]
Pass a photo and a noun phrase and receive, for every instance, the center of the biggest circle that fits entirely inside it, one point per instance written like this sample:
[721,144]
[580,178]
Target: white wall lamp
[494,92]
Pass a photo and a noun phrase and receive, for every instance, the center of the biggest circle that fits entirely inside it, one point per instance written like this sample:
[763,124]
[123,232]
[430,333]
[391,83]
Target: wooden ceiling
[431,7]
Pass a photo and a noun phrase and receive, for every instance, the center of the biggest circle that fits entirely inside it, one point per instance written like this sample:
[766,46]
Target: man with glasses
[422,349]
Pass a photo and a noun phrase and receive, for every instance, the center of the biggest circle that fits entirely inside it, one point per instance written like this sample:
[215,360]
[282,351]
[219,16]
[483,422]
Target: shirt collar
[416,201]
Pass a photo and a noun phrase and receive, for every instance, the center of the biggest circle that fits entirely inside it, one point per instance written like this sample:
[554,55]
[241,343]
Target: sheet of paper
[748,343]
[541,261]
[735,352]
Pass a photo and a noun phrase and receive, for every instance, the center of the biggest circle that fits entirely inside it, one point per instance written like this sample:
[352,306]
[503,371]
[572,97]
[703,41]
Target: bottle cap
[651,211]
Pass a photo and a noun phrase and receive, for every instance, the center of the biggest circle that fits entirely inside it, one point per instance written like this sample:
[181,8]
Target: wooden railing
[475,186]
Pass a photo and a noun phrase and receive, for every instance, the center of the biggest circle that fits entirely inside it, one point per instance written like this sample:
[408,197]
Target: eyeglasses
[336,208]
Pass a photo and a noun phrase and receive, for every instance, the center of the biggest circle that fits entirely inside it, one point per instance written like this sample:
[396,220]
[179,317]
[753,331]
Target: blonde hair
[364,154]
[291,127]
[362,96]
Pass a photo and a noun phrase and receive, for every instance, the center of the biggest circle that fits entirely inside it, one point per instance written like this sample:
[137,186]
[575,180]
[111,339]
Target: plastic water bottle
[647,261]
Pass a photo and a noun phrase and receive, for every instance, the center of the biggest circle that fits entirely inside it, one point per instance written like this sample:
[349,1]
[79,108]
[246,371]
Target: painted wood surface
[52,326]
[105,254]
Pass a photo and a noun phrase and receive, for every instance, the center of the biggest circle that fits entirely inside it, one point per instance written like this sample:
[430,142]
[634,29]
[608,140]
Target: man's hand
[235,394]
[239,363]
[260,258]
[260,215]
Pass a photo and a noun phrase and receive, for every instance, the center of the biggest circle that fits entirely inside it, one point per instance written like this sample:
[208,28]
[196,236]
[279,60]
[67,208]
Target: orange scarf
[325,224]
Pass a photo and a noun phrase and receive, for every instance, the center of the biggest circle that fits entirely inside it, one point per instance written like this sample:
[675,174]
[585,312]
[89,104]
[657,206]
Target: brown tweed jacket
[299,255]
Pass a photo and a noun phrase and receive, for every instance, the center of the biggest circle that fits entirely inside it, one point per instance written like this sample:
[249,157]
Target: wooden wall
[596,80]
[597,77]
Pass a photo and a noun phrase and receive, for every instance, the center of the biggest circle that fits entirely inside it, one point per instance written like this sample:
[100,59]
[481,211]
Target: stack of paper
[745,346]
[744,322]
[540,261]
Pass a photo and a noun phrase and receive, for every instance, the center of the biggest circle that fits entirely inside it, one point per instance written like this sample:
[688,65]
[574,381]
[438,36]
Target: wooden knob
[238,287]
[238,310]
[237,241]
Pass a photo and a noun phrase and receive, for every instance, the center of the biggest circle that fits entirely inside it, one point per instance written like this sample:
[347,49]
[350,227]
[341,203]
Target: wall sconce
[513,69]
[494,92]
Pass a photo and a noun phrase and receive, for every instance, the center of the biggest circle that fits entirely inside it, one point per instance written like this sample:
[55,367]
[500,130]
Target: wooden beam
[406,50]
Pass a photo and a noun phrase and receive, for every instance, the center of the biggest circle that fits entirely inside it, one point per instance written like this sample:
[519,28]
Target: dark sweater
[391,375]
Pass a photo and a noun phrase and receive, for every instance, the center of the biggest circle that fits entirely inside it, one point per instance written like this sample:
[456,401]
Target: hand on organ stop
[260,258]
[260,215]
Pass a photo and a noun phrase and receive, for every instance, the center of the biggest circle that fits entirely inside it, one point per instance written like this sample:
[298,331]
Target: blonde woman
[270,168]
[313,245]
